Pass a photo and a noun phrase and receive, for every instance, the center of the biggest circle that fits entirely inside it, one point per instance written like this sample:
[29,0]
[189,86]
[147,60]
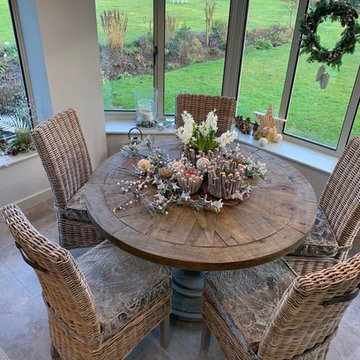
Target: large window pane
[125,31]
[318,114]
[13,101]
[194,56]
[356,127]
[268,41]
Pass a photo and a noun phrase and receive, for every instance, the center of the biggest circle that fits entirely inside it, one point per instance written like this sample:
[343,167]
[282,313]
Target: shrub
[11,95]
[114,25]
[214,51]
[8,52]
[219,31]
[145,42]
[171,66]
[262,38]
[131,50]
[185,34]
[185,46]
[171,24]
[262,44]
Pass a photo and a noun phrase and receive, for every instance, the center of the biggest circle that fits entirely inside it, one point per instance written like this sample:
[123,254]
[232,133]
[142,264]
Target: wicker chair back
[64,154]
[65,289]
[309,313]
[200,105]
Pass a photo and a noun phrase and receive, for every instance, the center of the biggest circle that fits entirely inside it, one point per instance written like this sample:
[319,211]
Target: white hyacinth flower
[211,121]
[185,132]
[226,138]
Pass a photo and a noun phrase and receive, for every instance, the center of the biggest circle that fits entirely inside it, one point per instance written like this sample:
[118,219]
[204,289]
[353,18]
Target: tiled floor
[23,322]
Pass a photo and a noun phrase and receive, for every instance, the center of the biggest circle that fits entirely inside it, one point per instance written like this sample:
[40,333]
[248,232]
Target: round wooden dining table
[278,215]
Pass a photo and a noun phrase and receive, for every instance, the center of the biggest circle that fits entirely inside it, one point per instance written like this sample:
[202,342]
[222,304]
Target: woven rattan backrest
[310,311]
[64,154]
[200,105]
[340,199]
[64,287]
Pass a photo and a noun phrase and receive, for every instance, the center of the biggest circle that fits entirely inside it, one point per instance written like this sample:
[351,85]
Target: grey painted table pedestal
[187,287]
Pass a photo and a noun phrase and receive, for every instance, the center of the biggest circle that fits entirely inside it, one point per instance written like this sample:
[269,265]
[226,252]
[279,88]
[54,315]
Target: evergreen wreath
[342,11]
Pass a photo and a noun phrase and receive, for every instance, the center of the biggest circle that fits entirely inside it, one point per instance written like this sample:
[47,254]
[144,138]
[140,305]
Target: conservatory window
[246,49]
[15,119]
[269,34]
[195,44]
[126,50]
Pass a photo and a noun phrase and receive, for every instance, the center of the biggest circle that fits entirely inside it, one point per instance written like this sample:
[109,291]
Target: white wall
[21,181]
[70,52]
[69,37]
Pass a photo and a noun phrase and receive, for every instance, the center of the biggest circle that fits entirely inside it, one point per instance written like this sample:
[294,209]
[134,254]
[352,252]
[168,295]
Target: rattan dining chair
[65,157]
[200,105]
[338,218]
[267,313]
[100,306]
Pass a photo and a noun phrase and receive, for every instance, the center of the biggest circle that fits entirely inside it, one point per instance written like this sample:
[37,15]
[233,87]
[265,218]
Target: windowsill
[300,154]
[287,150]
[122,127]
[18,158]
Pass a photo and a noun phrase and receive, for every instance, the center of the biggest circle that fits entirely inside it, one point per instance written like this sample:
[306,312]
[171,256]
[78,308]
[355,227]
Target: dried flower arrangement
[205,177]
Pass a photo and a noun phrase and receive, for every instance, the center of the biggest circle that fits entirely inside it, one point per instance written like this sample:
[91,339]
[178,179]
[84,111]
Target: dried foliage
[171,25]
[114,24]
[209,14]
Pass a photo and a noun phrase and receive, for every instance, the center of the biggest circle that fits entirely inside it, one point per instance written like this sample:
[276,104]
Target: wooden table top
[279,213]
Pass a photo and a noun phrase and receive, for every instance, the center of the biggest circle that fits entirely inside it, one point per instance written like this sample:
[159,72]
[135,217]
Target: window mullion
[293,60]
[22,57]
[159,45]
[235,47]
[350,114]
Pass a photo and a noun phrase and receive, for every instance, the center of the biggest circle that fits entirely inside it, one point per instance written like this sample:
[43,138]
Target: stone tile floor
[23,320]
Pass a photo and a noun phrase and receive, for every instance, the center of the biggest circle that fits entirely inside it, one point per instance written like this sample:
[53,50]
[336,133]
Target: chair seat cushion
[122,285]
[246,298]
[76,207]
[320,242]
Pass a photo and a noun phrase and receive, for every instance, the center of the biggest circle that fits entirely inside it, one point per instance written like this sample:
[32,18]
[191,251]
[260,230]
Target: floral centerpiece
[208,175]
[200,140]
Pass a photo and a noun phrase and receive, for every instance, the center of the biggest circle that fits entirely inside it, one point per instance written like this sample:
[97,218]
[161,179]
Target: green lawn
[314,113]
[6,31]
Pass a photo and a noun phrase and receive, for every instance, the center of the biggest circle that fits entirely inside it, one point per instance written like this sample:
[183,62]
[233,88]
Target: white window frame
[238,14]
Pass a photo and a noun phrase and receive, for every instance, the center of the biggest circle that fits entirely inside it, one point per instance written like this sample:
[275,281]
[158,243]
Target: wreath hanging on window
[346,14]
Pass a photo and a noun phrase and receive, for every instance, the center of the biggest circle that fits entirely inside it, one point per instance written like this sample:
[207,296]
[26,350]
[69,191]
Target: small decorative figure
[263,142]
[247,126]
[244,125]
[278,138]
[255,127]
[268,125]
[239,120]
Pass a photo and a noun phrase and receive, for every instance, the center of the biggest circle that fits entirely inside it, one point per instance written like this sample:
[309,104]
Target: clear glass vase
[146,106]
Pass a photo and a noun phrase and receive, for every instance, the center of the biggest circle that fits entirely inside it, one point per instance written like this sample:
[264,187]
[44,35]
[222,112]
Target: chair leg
[205,337]
[164,332]
[53,352]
